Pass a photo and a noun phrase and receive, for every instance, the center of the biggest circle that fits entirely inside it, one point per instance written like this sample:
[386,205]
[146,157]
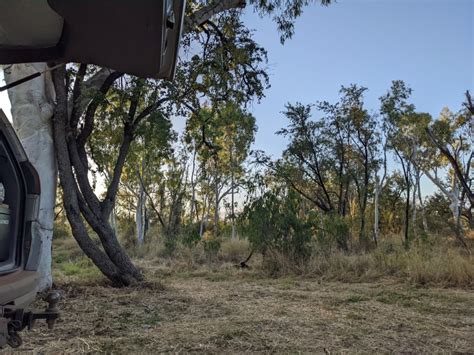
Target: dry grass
[437,265]
[388,300]
[231,310]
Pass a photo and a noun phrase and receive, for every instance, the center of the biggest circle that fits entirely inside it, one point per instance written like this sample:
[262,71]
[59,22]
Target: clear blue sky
[426,43]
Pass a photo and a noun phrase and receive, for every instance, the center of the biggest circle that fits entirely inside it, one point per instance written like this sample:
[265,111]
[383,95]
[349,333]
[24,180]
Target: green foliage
[334,231]
[274,221]
[285,13]
[190,234]
[212,246]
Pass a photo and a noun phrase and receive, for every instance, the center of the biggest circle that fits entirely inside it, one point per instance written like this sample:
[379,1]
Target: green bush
[190,234]
[274,222]
[333,231]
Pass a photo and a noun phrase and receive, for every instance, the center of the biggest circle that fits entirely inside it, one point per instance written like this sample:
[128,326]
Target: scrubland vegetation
[357,237]
[324,249]
[196,300]
[437,264]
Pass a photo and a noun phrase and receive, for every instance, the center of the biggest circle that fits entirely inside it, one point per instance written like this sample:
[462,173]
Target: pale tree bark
[205,13]
[415,187]
[216,210]
[32,110]
[379,184]
[193,187]
[377,192]
[420,200]
[232,186]
[205,215]
[234,230]
[113,220]
[455,204]
[140,216]
[456,207]
[414,212]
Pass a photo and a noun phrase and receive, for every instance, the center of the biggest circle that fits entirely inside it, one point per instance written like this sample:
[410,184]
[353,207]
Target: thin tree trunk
[232,208]
[407,216]
[204,211]
[140,211]
[406,173]
[422,205]
[379,183]
[216,211]
[140,216]
[365,197]
[193,188]
[414,212]
[376,211]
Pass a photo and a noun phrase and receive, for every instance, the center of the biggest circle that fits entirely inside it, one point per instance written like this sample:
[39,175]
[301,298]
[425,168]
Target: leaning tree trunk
[32,110]
[80,202]
[453,196]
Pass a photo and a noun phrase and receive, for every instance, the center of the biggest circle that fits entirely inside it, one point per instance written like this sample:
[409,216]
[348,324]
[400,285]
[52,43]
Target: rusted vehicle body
[139,37]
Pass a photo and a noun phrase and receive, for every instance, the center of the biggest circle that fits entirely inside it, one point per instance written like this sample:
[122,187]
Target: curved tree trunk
[80,202]
[32,110]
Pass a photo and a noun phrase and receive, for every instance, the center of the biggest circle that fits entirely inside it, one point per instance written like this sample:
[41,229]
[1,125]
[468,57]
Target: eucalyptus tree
[308,161]
[431,147]
[451,136]
[362,148]
[392,203]
[447,148]
[225,134]
[397,113]
[214,31]
[150,149]
[330,156]
[380,181]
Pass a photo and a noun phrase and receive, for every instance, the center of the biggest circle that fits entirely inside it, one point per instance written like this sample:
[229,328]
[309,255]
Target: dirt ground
[237,311]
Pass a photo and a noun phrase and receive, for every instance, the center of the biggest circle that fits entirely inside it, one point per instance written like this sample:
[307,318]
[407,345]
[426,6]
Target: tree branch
[205,13]
[92,108]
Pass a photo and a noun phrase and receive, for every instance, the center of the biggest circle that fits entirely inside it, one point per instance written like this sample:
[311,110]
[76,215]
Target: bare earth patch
[235,311]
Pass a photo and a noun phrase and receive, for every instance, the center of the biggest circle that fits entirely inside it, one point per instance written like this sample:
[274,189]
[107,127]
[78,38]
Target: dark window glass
[9,207]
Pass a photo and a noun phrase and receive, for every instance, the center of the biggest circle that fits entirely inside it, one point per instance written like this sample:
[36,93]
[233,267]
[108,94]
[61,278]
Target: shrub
[190,234]
[211,244]
[273,221]
[439,265]
[333,232]
[234,250]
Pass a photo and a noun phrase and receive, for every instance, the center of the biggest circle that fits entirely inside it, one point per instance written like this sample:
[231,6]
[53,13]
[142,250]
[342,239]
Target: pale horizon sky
[427,43]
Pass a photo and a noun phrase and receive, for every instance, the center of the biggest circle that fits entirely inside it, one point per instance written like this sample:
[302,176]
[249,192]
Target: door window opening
[10,201]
